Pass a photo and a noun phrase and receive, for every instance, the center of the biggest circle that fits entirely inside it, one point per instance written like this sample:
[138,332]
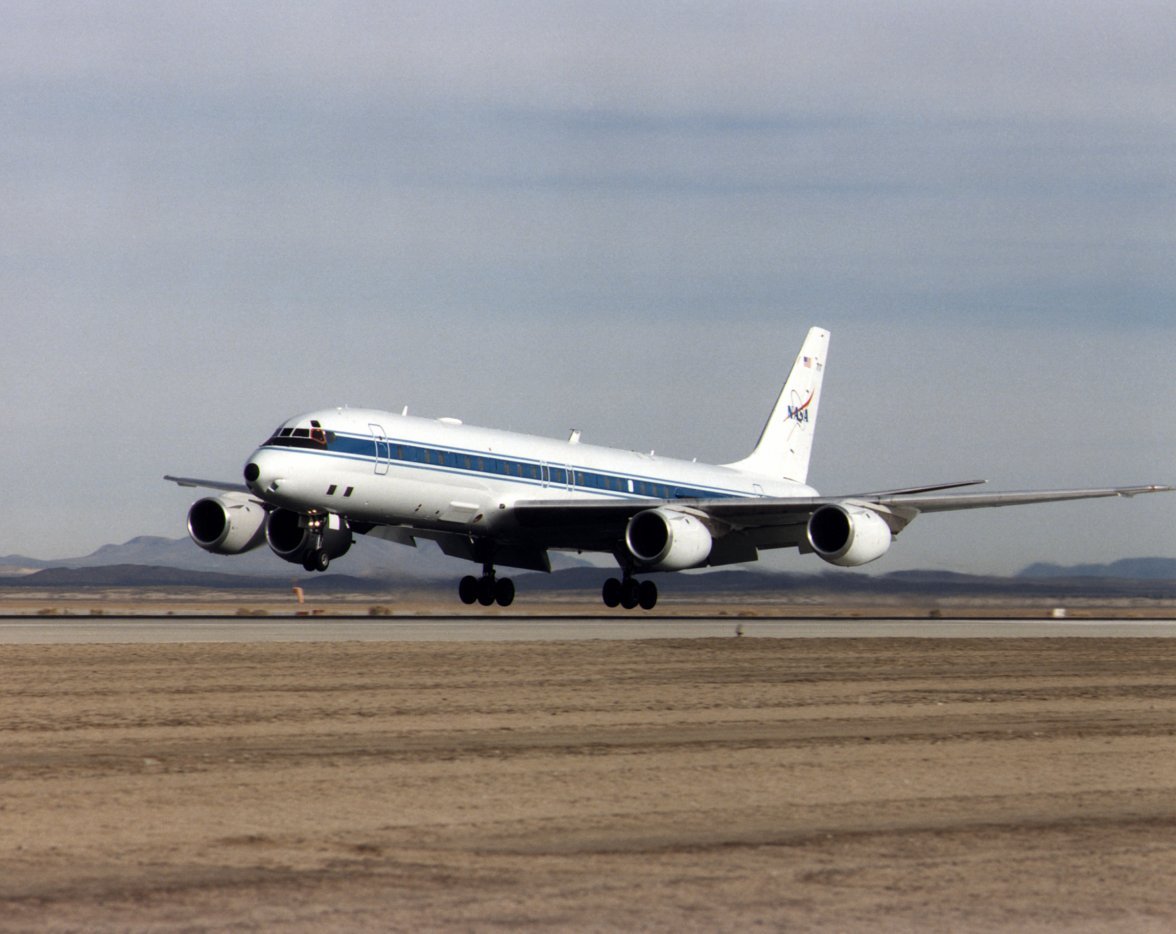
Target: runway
[604,775]
[177,630]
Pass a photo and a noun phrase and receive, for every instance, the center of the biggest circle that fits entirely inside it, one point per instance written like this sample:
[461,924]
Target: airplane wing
[991,500]
[899,509]
[740,526]
[208,484]
[772,522]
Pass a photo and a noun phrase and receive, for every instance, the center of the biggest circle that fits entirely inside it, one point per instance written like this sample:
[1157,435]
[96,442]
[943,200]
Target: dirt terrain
[821,784]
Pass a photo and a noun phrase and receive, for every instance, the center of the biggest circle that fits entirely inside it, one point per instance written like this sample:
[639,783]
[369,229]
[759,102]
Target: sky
[610,216]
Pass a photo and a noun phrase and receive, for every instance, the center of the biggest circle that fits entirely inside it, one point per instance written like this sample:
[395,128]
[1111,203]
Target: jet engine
[848,535]
[293,536]
[666,540]
[229,524]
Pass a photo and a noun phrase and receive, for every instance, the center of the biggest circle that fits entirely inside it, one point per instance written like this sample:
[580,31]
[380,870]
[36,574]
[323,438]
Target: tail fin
[786,442]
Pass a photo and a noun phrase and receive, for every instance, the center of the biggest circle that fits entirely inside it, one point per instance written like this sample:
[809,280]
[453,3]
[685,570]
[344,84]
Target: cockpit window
[314,437]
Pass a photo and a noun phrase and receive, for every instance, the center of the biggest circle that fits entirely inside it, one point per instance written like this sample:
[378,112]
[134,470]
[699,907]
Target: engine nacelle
[666,540]
[229,524]
[292,536]
[848,535]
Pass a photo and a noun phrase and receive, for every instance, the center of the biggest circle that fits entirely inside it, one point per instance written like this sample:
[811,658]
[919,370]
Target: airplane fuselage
[388,468]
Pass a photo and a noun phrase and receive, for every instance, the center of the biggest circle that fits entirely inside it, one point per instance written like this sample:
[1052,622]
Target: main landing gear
[490,589]
[486,589]
[629,593]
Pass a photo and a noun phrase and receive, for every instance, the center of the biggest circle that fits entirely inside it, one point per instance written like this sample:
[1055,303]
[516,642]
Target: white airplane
[504,499]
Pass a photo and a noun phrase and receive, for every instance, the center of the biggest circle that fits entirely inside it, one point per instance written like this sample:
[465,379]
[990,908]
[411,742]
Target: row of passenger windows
[317,437]
[415,455]
[556,476]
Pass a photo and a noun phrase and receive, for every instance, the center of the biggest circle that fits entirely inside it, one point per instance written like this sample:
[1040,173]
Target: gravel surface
[662,785]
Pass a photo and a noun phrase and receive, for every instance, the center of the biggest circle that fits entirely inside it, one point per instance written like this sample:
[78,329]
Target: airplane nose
[262,473]
[261,476]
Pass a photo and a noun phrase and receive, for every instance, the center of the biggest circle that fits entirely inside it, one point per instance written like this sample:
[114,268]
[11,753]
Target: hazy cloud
[533,214]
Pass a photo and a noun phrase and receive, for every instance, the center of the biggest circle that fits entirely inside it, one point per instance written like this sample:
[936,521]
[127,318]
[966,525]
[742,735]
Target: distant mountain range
[368,557]
[1126,568]
[373,565]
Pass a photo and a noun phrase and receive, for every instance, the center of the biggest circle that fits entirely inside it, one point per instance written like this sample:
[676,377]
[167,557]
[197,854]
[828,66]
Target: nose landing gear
[316,560]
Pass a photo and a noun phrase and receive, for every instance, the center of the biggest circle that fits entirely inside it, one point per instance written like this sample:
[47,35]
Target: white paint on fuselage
[444,496]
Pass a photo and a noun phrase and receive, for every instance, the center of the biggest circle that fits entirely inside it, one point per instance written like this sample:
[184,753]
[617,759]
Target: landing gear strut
[487,589]
[629,593]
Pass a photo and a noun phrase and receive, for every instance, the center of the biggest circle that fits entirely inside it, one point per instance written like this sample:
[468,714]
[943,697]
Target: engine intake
[847,535]
[666,540]
[229,524]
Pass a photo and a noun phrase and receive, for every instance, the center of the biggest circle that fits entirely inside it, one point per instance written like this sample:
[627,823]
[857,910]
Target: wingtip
[1129,492]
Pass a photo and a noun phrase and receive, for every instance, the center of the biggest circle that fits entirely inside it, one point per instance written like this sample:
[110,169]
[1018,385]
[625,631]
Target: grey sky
[539,215]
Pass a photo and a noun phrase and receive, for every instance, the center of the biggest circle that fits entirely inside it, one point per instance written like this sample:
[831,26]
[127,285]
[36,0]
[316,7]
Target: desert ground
[660,785]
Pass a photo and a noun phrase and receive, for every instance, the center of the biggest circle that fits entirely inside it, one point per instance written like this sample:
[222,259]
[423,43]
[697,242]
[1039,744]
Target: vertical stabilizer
[786,443]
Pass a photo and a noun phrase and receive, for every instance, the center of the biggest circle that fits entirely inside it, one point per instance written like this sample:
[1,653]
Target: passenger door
[383,448]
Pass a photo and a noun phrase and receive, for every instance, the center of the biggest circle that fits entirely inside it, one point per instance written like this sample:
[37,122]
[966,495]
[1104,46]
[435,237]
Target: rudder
[786,442]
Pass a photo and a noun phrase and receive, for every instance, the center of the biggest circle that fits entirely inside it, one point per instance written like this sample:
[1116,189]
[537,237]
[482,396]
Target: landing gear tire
[317,560]
[630,593]
[611,592]
[486,590]
[647,595]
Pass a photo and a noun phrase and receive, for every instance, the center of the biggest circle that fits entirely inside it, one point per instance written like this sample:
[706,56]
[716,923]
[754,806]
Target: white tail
[786,443]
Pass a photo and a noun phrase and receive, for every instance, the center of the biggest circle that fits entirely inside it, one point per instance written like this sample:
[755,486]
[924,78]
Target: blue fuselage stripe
[529,471]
